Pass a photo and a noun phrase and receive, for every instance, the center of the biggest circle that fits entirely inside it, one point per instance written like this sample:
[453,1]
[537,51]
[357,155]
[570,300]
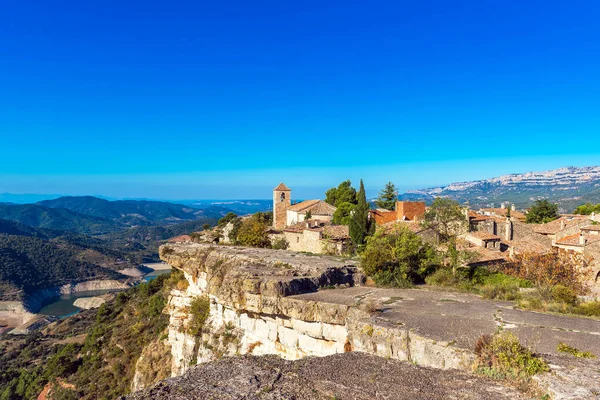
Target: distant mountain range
[92,215]
[568,186]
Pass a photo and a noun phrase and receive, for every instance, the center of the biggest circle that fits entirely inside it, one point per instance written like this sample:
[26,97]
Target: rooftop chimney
[508,230]
[513,207]
[581,239]
[502,206]
[562,224]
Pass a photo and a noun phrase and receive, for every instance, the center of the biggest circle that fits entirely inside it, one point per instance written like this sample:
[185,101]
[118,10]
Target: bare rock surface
[343,376]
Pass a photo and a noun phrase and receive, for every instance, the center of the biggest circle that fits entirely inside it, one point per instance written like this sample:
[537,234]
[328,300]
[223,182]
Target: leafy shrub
[199,311]
[590,309]
[398,258]
[565,348]
[563,294]
[500,291]
[503,357]
[253,232]
[445,277]
[279,244]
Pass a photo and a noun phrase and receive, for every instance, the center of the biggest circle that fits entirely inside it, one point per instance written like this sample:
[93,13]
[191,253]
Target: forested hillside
[32,259]
[57,218]
[91,355]
[133,212]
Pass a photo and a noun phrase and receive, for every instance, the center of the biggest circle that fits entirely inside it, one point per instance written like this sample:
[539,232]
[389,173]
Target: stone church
[307,226]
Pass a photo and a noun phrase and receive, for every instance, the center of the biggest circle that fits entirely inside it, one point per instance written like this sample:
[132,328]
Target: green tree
[360,224]
[541,212]
[308,215]
[398,258]
[387,197]
[344,193]
[226,219]
[445,217]
[587,209]
[343,214]
[253,232]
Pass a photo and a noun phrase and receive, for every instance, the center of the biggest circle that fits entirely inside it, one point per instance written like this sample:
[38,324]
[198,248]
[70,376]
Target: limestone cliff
[257,307]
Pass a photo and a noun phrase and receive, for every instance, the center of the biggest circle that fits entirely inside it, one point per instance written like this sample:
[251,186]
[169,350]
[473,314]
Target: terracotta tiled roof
[529,246]
[573,240]
[591,228]
[282,187]
[476,217]
[483,254]
[336,231]
[303,205]
[483,235]
[316,207]
[550,228]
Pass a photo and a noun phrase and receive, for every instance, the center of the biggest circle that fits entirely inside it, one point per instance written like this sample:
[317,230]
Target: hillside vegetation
[37,216]
[91,355]
[33,259]
[131,212]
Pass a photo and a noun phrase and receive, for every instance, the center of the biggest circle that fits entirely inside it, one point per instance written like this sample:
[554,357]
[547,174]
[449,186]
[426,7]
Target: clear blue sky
[219,99]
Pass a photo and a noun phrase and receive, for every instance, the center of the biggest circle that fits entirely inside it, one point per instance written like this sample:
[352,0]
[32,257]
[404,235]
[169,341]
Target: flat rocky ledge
[260,262]
[461,318]
[356,376]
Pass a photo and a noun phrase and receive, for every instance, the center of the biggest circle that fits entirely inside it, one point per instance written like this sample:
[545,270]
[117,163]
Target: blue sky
[180,100]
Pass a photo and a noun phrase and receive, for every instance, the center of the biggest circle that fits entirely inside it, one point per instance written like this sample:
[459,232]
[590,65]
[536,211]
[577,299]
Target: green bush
[502,291]
[503,357]
[590,309]
[565,348]
[445,277]
[279,244]
[398,258]
[199,311]
[563,294]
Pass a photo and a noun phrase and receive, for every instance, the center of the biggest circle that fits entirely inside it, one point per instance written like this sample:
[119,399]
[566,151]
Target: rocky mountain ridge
[568,186]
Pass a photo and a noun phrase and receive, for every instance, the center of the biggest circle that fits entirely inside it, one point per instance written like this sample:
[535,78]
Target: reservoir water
[63,306]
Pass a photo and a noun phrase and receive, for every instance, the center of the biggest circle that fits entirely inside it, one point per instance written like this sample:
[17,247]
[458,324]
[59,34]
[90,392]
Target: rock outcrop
[343,376]
[256,308]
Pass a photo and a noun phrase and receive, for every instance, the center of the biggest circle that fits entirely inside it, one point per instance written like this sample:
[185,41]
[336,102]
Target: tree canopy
[587,209]
[445,217]
[387,197]
[344,193]
[541,212]
[343,214]
[398,258]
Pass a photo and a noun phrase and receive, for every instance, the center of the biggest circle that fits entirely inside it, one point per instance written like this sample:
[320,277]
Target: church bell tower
[282,200]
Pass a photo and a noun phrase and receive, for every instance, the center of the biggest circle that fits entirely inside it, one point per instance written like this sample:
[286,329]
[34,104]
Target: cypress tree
[360,225]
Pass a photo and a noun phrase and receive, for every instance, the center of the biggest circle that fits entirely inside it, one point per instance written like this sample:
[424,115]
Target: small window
[297,239]
[282,197]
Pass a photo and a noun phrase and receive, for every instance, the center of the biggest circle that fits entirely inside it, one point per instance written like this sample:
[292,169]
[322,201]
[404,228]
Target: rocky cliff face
[252,308]
[256,307]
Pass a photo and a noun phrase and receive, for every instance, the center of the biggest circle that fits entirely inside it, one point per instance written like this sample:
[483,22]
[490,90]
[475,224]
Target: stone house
[317,237]
[404,211]
[484,240]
